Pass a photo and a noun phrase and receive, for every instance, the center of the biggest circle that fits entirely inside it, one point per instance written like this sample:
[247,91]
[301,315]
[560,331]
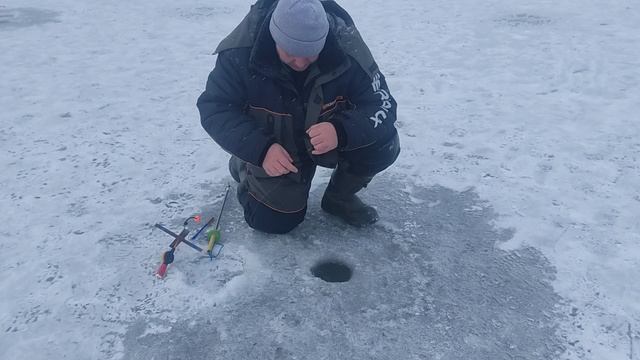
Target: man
[294,87]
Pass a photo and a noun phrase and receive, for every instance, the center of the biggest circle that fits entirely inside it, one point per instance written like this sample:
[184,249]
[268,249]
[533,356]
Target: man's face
[297,63]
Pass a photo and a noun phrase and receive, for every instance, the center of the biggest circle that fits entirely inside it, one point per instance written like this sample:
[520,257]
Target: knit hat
[299,27]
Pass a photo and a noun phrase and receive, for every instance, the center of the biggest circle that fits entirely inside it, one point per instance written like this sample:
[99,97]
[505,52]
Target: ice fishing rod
[213,235]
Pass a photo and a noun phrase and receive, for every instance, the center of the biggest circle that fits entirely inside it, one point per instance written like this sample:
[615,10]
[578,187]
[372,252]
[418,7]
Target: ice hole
[332,271]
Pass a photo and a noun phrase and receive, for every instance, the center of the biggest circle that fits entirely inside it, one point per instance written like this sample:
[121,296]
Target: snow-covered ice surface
[509,223]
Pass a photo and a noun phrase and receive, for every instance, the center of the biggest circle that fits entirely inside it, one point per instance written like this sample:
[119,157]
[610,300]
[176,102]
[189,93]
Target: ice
[508,224]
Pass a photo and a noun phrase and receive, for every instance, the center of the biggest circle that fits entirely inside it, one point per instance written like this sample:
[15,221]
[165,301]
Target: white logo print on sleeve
[381,115]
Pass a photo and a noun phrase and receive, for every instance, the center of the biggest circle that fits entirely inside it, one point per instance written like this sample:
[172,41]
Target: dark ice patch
[430,284]
[518,20]
[201,13]
[77,209]
[117,240]
[12,18]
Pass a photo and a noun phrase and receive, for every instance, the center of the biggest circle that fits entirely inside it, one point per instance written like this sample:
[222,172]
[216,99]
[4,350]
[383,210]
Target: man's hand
[323,138]
[277,162]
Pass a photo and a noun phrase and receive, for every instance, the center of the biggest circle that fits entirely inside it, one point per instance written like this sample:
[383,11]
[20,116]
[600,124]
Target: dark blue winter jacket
[252,99]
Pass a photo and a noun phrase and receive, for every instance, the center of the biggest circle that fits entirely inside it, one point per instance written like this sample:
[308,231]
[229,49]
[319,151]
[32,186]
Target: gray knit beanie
[299,27]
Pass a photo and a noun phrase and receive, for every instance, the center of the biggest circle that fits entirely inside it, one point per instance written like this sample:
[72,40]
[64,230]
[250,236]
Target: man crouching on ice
[295,87]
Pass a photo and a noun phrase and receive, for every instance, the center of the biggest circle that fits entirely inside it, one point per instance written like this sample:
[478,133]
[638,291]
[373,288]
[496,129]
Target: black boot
[340,199]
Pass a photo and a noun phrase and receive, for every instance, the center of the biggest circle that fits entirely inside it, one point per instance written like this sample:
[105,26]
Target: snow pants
[272,205]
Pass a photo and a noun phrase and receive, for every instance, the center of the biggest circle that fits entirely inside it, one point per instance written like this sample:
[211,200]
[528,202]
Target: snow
[530,105]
